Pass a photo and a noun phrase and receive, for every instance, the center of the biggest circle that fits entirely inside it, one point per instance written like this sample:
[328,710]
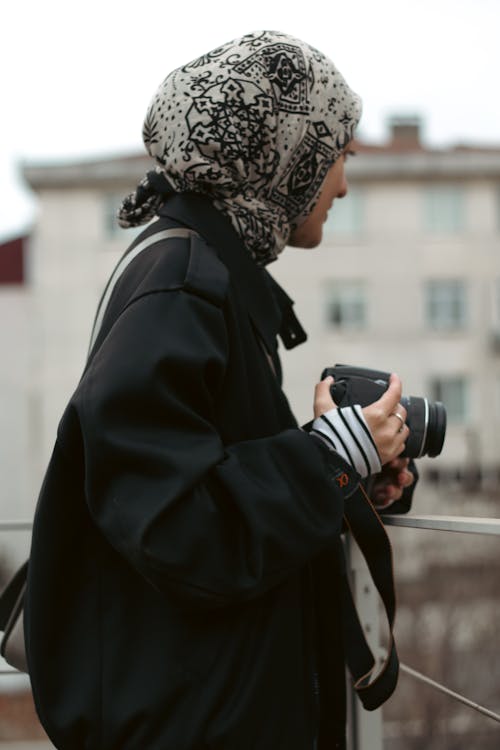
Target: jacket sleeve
[198,519]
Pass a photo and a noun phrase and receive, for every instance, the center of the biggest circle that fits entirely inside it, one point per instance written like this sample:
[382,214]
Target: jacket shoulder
[206,274]
[160,261]
[171,261]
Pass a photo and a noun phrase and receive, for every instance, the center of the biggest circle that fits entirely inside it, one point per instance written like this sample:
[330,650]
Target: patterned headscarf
[255,124]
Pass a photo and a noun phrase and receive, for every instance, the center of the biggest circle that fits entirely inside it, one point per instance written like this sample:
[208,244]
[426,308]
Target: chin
[307,242]
[312,242]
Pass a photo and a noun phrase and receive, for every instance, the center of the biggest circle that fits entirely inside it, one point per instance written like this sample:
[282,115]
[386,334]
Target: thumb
[392,396]
[323,401]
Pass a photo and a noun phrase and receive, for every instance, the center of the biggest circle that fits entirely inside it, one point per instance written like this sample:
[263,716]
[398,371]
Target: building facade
[407,279]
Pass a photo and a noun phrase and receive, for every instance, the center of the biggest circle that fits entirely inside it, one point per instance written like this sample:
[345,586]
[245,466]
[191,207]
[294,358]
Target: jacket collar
[268,305]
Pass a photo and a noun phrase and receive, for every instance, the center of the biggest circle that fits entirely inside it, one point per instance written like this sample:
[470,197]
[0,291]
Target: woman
[183,590]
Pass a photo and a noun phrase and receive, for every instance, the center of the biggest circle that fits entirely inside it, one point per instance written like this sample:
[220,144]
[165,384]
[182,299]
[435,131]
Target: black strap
[291,332]
[371,536]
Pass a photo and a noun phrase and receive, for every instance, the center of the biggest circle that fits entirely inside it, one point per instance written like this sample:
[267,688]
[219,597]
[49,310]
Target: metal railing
[8,526]
[366,728]
[16,525]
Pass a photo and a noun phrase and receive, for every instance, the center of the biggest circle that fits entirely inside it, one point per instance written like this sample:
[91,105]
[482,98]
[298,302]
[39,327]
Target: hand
[389,484]
[389,432]
[323,400]
[386,420]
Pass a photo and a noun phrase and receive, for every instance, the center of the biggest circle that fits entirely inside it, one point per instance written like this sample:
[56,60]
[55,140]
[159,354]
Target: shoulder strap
[12,598]
[291,332]
[176,232]
[371,536]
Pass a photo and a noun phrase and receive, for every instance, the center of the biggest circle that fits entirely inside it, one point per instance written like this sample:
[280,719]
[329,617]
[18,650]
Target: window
[445,303]
[346,215]
[453,393]
[346,304]
[444,209]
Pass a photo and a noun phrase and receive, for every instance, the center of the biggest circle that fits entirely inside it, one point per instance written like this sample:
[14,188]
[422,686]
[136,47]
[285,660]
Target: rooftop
[403,156]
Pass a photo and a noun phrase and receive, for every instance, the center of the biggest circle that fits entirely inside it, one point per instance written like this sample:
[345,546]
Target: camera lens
[436,430]
[427,423]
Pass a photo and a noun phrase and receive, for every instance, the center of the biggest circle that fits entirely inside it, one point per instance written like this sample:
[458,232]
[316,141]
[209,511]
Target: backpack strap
[135,250]
[12,646]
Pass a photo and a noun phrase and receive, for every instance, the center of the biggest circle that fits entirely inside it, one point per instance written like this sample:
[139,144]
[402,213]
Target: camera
[425,419]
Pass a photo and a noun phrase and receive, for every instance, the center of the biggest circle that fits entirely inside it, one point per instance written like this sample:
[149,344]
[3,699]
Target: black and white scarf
[255,124]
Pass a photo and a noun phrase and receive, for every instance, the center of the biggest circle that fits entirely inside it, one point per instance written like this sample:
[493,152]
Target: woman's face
[310,232]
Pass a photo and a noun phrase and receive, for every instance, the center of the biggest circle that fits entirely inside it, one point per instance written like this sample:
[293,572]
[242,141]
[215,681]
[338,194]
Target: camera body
[426,420]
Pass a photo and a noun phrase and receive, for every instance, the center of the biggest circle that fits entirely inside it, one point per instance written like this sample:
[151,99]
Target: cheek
[310,232]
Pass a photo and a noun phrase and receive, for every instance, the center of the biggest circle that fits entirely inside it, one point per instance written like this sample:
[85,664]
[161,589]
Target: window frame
[449,217]
[437,389]
[338,292]
[439,295]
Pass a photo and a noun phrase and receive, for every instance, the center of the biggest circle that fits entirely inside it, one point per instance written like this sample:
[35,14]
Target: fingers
[398,464]
[389,401]
[390,441]
[386,420]
[323,401]
[403,479]
[385,417]
[390,484]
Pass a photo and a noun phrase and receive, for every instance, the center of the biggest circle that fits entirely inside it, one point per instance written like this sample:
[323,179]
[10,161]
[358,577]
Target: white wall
[46,325]
[394,255]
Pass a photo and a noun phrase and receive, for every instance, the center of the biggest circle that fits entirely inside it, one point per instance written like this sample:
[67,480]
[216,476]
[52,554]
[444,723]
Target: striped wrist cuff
[345,431]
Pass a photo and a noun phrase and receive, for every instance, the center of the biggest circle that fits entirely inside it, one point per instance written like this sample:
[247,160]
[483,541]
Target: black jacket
[185,562]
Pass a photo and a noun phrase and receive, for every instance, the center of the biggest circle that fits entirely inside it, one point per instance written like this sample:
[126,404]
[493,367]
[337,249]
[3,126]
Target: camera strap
[369,532]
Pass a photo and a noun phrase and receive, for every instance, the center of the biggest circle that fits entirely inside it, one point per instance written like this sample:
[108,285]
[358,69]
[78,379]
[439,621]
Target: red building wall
[12,261]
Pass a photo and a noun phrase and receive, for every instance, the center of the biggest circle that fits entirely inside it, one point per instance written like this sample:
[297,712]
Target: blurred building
[18,425]
[407,279]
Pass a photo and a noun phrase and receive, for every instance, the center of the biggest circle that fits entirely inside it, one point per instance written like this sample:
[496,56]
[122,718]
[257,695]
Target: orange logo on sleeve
[342,480]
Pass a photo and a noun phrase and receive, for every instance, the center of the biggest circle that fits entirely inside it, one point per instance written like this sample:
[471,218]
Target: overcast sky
[76,79]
